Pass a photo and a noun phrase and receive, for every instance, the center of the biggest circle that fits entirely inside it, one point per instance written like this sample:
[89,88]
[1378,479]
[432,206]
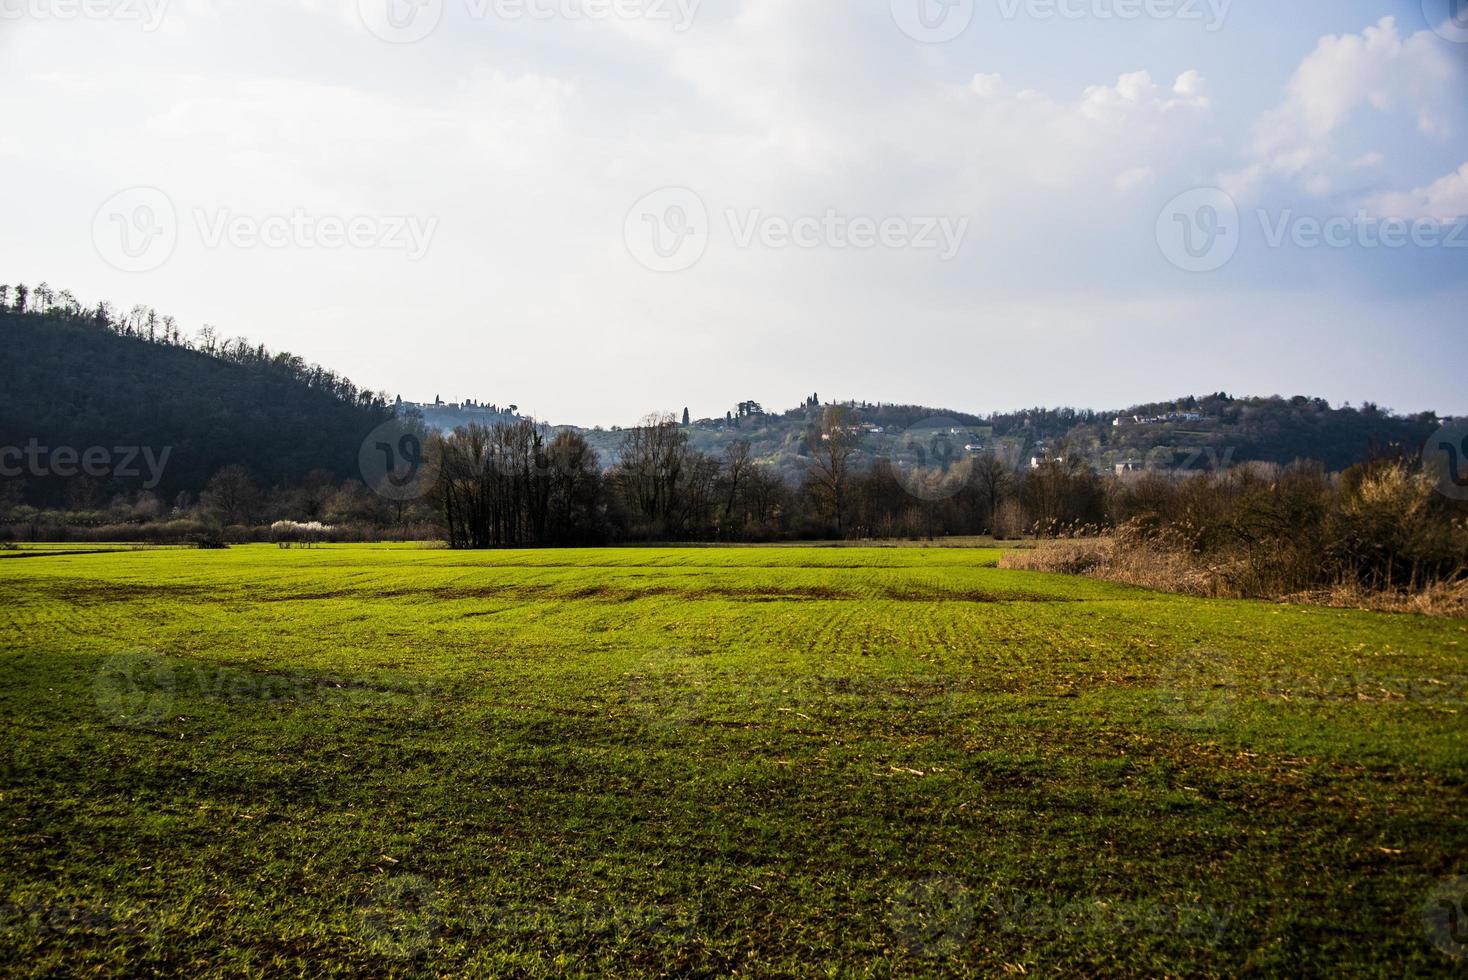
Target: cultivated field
[770,761]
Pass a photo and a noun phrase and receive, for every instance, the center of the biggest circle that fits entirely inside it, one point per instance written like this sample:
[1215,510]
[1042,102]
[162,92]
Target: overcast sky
[595,209]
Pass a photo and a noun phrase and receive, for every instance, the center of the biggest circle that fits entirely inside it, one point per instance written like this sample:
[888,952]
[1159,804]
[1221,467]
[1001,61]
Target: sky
[597,209]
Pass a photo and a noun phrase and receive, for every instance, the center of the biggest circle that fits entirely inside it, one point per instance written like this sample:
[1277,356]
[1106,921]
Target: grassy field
[875,762]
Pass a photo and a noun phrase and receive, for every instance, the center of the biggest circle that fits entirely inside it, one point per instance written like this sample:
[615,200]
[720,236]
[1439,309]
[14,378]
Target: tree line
[82,377]
[519,485]
[522,484]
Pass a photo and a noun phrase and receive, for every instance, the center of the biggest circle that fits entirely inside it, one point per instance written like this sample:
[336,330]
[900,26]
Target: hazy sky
[599,208]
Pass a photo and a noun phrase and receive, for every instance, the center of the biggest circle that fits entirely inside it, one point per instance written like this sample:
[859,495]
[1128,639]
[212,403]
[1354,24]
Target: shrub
[209,537]
[1379,535]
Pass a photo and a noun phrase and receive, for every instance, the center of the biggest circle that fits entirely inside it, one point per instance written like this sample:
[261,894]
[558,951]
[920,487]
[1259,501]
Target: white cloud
[1004,142]
[1137,90]
[1135,177]
[1445,200]
[1378,70]
[530,141]
[987,86]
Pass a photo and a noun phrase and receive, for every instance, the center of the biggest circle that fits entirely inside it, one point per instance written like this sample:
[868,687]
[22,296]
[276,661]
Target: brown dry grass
[1444,600]
[1153,567]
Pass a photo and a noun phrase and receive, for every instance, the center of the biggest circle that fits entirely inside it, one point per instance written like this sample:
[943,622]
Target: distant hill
[446,417]
[1189,433]
[82,378]
[79,378]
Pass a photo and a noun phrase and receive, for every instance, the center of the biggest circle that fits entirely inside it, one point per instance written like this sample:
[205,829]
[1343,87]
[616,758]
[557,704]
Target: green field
[776,761]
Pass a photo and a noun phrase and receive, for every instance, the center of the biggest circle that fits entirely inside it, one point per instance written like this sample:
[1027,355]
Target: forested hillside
[79,379]
[1190,433]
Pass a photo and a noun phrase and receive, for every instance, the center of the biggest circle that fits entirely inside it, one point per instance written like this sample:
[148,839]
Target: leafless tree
[650,471]
[738,463]
[575,489]
[232,496]
[992,480]
[832,445]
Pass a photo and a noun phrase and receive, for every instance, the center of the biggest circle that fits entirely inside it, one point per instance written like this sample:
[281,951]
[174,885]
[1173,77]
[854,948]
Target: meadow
[699,762]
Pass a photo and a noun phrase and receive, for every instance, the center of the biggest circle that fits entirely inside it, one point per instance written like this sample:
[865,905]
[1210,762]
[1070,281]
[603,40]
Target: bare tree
[494,485]
[650,471]
[738,462]
[232,496]
[828,478]
[575,490]
[316,491]
[992,480]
